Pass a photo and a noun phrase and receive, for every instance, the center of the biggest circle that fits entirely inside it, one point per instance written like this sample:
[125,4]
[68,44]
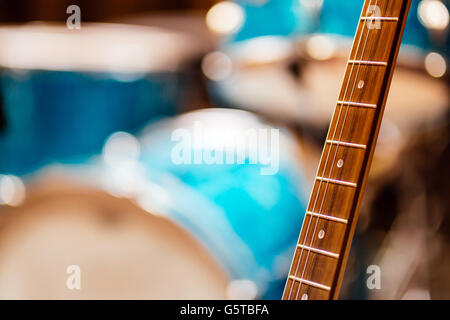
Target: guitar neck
[321,254]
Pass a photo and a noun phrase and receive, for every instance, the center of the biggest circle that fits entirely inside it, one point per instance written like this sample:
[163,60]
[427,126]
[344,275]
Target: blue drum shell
[63,92]
[53,116]
[250,222]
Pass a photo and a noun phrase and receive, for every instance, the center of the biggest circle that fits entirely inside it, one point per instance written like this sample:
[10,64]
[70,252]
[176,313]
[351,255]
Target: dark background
[99,10]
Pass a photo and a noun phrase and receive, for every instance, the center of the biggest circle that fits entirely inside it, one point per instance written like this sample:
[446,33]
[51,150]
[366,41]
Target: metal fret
[367,62]
[326,217]
[395,19]
[310,283]
[322,252]
[340,182]
[347,144]
[358,104]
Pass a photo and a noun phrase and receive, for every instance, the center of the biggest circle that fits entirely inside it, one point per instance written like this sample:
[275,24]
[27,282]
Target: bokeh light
[121,150]
[320,47]
[435,64]
[225,18]
[242,290]
[12,190]
[433,14]
[217,66]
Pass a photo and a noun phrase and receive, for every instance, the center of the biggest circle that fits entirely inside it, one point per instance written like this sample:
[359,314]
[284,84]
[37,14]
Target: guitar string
[319,186]
[326,183]
[318,189]
[340,137]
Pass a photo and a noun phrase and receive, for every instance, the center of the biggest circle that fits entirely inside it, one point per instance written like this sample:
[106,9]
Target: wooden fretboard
[321,254]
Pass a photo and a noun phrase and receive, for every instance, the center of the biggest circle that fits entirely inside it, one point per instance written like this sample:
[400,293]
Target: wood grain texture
[320,258]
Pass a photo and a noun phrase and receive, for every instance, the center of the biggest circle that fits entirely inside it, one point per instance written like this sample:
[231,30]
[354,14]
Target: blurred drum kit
[87,174]
[93,196]
[296,79]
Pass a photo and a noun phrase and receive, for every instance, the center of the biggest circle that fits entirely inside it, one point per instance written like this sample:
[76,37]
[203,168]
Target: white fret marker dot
[361,84]
[305,297]
[340,163]
[321,234]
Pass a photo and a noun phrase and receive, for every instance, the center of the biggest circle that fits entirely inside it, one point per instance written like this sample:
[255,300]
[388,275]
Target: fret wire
[394,19]
[339,182]
[358,104]
[319,251]
[347,144]
[310,283]
[327,217]
[369,62]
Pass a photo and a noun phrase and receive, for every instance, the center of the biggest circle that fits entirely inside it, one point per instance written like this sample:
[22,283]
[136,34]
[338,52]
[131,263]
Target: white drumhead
[100,47]
[122,252]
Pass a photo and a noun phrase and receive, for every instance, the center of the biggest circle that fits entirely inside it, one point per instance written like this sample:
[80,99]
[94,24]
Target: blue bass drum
[138,212]
[248,217]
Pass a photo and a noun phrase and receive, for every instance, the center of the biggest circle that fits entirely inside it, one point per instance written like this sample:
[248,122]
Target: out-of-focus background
[90,194]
